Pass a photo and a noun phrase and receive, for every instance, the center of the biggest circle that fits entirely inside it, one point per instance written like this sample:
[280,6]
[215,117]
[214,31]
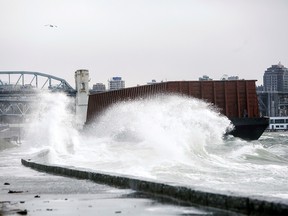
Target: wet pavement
[24,191]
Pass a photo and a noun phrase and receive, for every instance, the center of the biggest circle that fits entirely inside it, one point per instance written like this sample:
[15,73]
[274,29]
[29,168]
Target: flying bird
[52,26]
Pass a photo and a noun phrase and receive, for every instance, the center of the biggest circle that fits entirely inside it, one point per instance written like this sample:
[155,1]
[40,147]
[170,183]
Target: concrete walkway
[24,191]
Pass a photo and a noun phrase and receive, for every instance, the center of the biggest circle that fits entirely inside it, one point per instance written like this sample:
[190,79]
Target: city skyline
[143,40]
[15,78]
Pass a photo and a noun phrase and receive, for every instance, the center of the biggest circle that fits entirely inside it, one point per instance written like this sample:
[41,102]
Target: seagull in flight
[51,26]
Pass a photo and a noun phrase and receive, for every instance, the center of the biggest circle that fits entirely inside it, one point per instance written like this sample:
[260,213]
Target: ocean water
[168,138]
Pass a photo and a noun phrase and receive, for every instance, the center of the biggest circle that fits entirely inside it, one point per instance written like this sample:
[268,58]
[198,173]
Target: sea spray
[169,138]
[52,124]
[142,134]
[180,139]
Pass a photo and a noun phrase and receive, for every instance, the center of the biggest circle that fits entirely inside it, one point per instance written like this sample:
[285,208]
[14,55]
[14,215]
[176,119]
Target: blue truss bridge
[19,90]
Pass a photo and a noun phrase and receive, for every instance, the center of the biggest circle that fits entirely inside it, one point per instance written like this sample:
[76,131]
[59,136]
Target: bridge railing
[11,80]
[19,90]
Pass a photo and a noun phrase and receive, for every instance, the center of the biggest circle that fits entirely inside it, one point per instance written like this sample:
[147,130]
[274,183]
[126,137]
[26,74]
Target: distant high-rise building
[204,77]
[226,77]
[276,78]
[116,83]
[99,87]
[233,78]
[273,96]
[153,81]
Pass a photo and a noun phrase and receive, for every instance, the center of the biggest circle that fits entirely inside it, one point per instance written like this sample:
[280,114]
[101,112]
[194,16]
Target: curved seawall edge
[244,205]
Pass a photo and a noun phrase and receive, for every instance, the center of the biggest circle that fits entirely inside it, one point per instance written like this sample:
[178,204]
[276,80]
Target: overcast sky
[142,40]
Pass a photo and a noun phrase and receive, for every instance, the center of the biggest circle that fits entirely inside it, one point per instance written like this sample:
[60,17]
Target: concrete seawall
[244,205]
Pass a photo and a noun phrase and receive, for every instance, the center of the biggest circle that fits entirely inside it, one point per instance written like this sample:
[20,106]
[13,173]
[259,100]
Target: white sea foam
[168,137]
[52,125]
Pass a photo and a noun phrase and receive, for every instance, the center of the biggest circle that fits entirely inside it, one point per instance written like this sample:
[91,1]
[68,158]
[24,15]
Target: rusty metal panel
[231,101]
[152,90]
[184,88]
[195,89]
[207,91]
[173,87]
[242,101]
[233,98]
[252,100]
[220,96]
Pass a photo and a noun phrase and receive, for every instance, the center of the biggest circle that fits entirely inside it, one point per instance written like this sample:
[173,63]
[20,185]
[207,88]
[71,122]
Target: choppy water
[168,138]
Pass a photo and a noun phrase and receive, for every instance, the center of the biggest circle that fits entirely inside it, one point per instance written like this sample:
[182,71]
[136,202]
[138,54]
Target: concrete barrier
[244,205]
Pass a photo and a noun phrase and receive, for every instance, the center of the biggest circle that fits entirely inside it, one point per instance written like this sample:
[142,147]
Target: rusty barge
[236,99]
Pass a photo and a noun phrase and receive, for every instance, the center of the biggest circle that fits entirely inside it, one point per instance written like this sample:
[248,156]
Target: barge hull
[236,99]
[249,128]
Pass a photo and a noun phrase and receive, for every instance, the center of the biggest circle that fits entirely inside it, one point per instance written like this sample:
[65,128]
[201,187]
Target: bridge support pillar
[82,92]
